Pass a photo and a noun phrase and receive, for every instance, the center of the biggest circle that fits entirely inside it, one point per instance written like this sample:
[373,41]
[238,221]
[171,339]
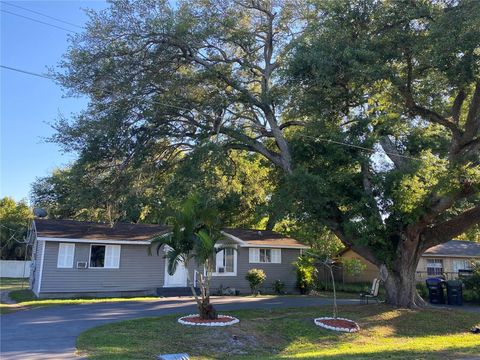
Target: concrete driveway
[51,332]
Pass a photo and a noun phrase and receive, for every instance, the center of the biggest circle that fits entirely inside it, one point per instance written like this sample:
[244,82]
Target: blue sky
[29,104]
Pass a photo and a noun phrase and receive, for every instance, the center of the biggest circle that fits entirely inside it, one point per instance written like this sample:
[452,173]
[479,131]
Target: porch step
[174,291]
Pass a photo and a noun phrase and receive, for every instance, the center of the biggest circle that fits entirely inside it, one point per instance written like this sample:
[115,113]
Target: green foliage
[195,236]
[278,287]
[14,220]
[353,267]
[255,277]
[422,290]
[472,283]
[306,273]
[321,240]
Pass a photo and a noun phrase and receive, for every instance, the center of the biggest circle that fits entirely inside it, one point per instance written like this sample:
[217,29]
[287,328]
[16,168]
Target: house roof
[455,248]
[263,238]
[70,229]
[82,230]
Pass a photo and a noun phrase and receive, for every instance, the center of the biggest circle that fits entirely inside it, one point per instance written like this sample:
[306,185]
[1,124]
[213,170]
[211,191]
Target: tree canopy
[360,117]
[14,221]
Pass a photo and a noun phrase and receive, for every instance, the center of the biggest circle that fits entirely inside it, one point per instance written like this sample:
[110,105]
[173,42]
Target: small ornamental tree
[353,267]
[255,277]
[195,237]
[306,273]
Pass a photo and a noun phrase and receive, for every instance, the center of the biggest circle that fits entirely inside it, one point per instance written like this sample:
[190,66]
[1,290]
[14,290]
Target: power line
[182,108]
[26,72]
[42,14]
[361,147]
[38,21]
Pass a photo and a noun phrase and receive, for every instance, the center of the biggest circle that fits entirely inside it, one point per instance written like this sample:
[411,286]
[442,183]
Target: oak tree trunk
[399,279]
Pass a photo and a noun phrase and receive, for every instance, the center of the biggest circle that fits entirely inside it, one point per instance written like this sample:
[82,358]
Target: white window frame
[435,263]
[234,273]
[115,266]
[465,264]
[254,256]
[67,259]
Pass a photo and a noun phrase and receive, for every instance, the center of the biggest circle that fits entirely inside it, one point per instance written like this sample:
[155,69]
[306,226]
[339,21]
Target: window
[434,266]
[265,256]
[226,262]
[105,256]
[65,255]
[462,265]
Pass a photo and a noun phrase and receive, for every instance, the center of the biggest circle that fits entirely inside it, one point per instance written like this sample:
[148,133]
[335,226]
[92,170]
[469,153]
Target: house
[449,259]
[73,258]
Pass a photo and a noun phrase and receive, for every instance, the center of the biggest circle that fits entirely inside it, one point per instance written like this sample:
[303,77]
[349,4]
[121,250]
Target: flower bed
[194,319]
[338,324]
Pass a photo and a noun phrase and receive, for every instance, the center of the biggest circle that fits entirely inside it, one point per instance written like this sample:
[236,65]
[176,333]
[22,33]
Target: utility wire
[38,21]
[360,147]
[27,72]
[182,108]
[41,14]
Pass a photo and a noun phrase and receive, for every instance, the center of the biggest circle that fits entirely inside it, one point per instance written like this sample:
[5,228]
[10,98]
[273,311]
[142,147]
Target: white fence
[14,268]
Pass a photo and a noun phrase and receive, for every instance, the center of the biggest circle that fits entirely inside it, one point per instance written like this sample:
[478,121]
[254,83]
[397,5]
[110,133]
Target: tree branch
[393,153]
[449,229]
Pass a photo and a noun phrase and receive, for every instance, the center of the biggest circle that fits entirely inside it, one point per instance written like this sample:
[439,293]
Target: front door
[178,279]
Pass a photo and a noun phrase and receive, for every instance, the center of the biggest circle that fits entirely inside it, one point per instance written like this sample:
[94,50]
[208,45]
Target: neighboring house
[73,258]
[449,259]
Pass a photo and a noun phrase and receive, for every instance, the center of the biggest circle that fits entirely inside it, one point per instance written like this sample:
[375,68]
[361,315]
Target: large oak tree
[377,76]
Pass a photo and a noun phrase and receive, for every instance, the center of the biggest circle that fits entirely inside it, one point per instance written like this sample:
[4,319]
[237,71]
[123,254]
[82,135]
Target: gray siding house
[73,258]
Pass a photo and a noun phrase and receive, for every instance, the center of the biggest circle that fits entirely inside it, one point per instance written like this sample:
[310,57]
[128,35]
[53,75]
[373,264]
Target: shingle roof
[455,248]
[263,238]
[70,229]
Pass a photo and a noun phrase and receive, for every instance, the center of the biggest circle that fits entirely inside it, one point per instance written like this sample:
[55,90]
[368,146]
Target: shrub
[422,290]
[471,296]
[278,286]
[305,273]
[255,277]
[472,282]
[353,267]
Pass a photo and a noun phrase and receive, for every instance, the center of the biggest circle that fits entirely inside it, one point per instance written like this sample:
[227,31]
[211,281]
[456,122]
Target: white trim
[68,266]
[276,246]
[240,242]
[254,258]
[234,273]
[96,241]
[234,238]
[104,259]
[451,256]
[40,274]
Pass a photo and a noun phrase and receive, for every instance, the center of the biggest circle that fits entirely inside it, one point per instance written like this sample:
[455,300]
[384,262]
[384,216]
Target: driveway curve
[51,332]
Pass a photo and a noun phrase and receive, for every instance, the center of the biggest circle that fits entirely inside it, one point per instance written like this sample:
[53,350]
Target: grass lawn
[26,299]
[12,283]
[386,333]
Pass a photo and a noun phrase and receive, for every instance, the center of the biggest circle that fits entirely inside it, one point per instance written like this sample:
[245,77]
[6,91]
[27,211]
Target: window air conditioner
[81,264]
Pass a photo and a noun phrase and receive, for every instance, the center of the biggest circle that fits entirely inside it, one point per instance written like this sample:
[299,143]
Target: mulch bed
[338,324]
[194,319]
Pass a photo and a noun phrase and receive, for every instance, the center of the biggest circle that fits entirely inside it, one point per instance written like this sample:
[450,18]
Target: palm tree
[195,237]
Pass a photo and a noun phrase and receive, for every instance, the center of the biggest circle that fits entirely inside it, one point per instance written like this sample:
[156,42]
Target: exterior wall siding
[285,272]
[448,266]
[137,272]
[371,270]
[35,268]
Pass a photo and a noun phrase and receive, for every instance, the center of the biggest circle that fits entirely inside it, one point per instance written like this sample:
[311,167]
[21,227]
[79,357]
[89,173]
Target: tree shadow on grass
[386,333]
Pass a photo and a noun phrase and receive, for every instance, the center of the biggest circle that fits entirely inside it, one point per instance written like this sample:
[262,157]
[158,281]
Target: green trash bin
[454,292]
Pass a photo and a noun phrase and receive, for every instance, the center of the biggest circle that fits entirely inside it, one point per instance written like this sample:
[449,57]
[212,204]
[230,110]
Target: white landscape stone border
[233,321]
[318,322]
